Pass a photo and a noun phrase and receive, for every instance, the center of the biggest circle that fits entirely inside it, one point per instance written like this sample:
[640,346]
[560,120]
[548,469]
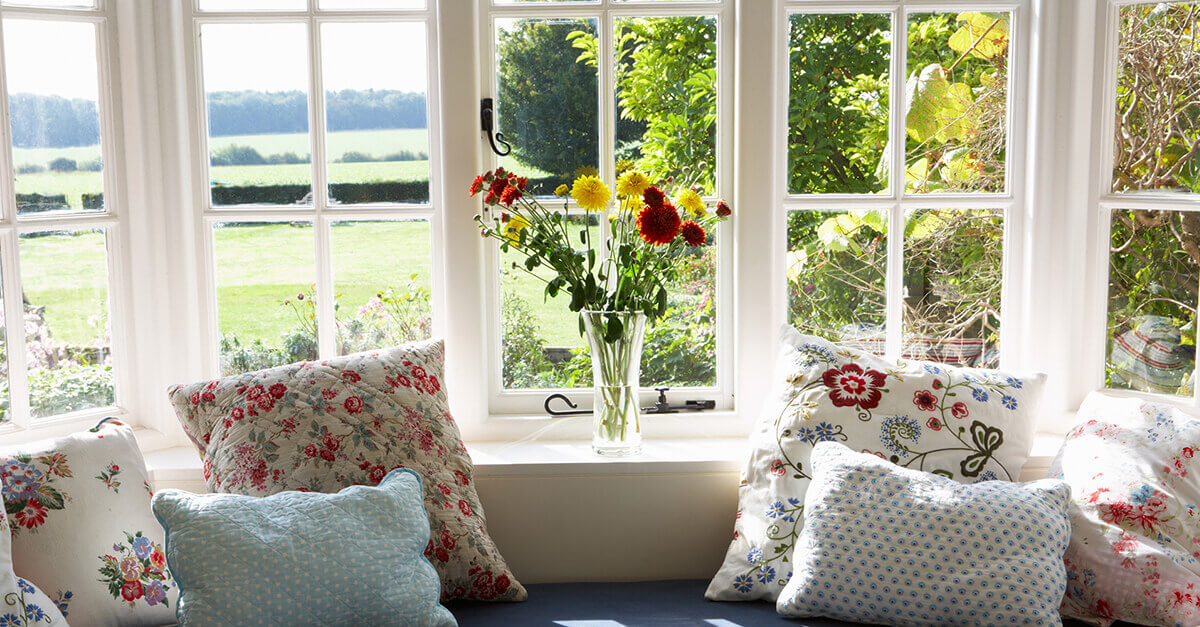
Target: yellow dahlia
[691,203]
[591,193]
[562,190]
[632,184]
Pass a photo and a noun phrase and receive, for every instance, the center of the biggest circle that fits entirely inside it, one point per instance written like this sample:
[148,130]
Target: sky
[59,58]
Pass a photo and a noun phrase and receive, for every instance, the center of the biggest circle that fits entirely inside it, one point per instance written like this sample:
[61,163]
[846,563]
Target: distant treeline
[56,122]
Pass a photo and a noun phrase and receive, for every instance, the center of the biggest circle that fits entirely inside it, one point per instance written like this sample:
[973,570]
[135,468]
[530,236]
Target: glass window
[266,294]
[253,5]
[377,140]
[382,282]
[838,107]
[957,98]
[1158,99]
[367,5]
[836,275]
[953,273]
[64,279]
[256,91]
[53,91]
[547,98]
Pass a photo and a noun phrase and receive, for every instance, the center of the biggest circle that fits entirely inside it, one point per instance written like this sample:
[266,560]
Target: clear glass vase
[615,340]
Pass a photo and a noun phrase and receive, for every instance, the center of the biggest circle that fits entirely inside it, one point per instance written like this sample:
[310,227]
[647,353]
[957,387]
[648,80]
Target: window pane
[953,261]
[540,336]
[355,5]
[382,281]
[5,405]
[53,91]
[253,5]
[378,138]
[266,305]
[256,84]
[681,350]
[1152,284]
[836,272]
[666,100]
[838,104]
[64,275]
[547,98]
[53,4]
[957,102]
[1158,98]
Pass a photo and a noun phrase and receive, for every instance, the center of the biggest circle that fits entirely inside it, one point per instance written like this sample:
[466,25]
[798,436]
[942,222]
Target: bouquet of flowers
[629,269]
[617,278]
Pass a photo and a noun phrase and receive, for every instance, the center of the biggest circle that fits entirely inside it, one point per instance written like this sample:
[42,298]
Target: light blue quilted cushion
[886,545]
[298,558]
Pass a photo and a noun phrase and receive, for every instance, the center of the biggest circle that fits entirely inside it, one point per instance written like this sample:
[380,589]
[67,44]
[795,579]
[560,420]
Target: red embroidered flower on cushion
[353,404]
[959,410]
[925,400]
[277,390]
[131,590]
[934,423]
[32,515]
[351,376]
[852,386]
[464,507]
[776,467]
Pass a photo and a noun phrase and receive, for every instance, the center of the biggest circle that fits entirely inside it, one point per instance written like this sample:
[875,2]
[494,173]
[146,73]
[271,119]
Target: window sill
[575,458]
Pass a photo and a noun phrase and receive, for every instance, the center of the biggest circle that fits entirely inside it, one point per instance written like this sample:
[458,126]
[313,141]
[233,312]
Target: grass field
[68,275]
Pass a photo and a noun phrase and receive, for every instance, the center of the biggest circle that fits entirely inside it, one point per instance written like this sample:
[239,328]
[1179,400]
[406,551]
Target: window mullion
[326,336]
[14,314]
[894,278]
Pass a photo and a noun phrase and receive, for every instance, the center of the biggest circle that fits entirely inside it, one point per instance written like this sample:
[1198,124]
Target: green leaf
[50,498]
[928,94]
[990,31]
[613,328]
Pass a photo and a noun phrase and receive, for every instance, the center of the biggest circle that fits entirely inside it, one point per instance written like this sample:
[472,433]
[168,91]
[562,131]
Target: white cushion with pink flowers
[322,426]
[1134,555]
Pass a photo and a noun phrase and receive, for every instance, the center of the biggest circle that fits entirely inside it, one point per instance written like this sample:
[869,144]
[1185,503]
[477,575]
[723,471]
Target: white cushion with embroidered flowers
[21,602]
[82,529]
[966,424]
[323,426]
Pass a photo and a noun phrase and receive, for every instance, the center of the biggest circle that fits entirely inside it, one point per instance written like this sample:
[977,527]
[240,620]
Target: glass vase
[615,340]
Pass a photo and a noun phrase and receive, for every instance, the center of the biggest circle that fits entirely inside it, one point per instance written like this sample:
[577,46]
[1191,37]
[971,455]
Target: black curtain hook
[487,114]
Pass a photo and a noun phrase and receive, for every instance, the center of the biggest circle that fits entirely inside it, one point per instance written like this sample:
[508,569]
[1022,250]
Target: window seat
[663,603]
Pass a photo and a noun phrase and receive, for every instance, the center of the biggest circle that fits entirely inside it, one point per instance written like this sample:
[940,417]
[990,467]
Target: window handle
[487,122]
[661,407]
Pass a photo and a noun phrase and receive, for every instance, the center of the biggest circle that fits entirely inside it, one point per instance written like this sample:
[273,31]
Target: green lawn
[67,274]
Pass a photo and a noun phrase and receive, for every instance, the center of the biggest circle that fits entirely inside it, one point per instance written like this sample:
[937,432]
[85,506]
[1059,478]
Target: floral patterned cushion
[322,426]
[966,424]
[82,529]
[23,603]
[1135,514]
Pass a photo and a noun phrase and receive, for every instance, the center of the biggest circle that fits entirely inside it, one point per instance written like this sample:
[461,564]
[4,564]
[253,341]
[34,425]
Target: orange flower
[658,224]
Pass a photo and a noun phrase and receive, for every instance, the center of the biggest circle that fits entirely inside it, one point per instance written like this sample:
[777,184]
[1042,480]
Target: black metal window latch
[487,123]
[659,407]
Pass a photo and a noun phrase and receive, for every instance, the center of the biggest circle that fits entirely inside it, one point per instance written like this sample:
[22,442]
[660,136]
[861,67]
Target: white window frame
[113,220]
[896,203]
[521,402]
[1102,201]
[321,214]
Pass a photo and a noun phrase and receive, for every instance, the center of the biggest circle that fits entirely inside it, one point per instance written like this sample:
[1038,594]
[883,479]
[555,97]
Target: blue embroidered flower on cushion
[754,556]
[741,583]
[21,481]
[766,575]
[63,601]
[896,431]
[932,369]
[805,434]
[823,433]
[25,586]
[1015,383]
[142,547]
[1008,402]
[979,395]
[812,354]
[775,510]
[34,614]
[11,620]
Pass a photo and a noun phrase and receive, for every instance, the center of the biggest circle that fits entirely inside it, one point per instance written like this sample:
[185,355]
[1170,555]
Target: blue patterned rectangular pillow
[887,545]
[296,558]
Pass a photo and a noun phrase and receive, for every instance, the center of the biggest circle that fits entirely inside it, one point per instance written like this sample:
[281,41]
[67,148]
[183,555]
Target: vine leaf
[928,94]
[973,26]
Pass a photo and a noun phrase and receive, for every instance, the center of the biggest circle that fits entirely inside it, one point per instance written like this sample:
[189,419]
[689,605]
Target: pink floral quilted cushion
[1135,527]
[324,425]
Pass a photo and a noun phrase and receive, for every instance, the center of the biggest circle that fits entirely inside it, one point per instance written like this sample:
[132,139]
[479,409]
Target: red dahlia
[654,196]
[510,195]
[476,185]
[723,209]
[692,233]
[658,225]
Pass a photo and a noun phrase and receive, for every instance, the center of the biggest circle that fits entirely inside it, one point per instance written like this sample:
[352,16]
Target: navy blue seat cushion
[652,603]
